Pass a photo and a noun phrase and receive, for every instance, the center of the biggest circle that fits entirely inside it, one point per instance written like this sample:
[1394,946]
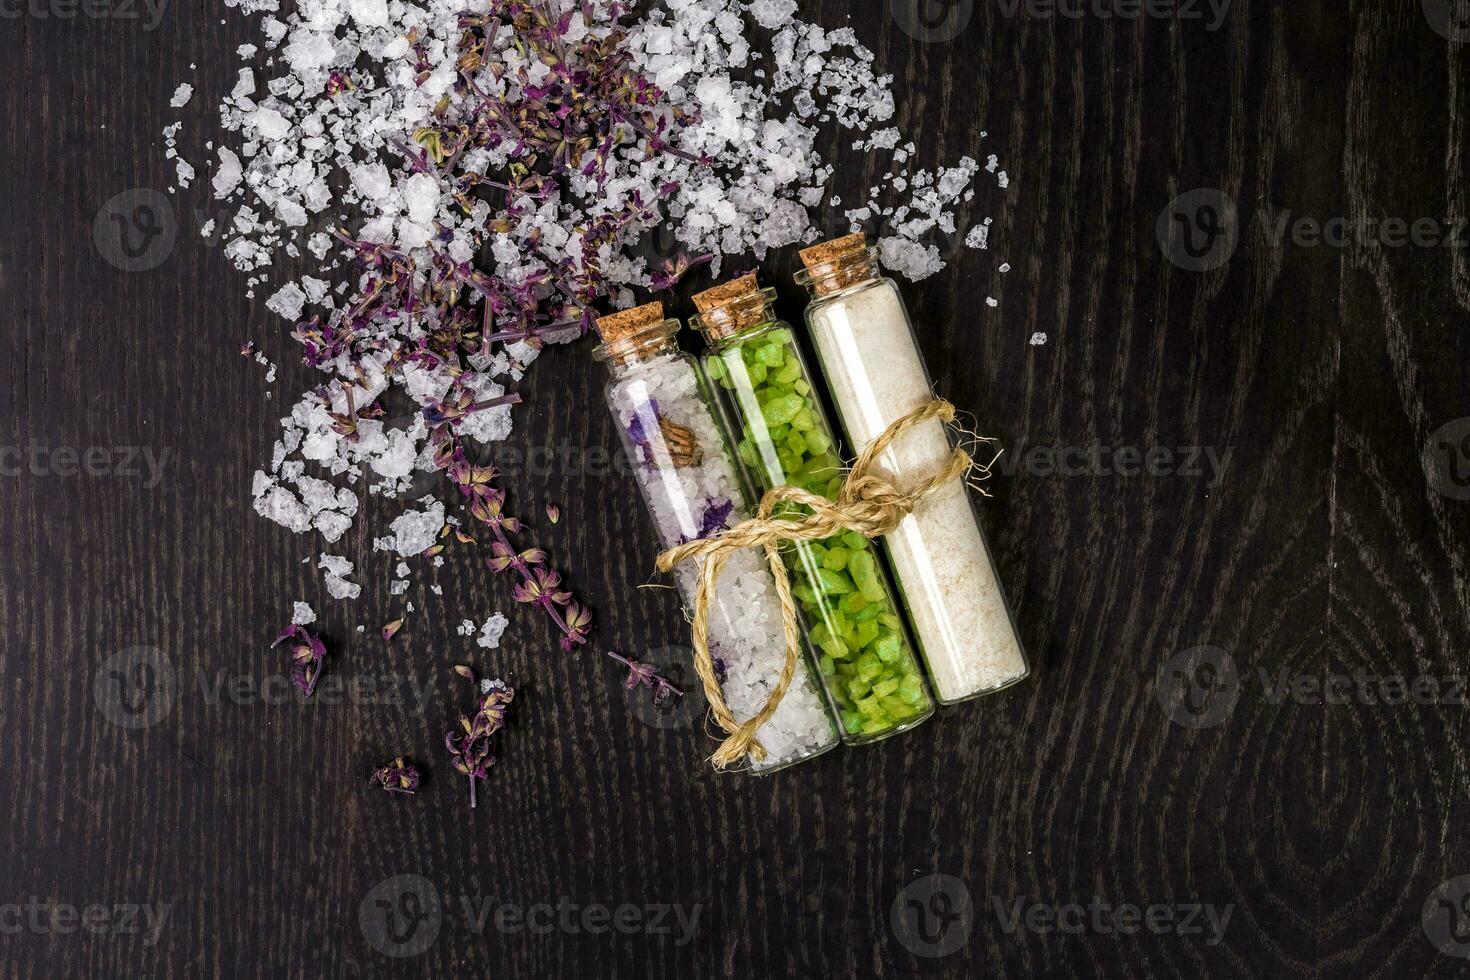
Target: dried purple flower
[398,776]
[671,271]
[646,675]
[391,630]
[636,431]
[469,746]
[557,115]
[553,513]
[307,656]
[338,82]
[716,516]
[539,584]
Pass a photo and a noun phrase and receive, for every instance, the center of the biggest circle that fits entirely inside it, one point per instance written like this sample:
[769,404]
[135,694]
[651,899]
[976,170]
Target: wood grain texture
[1322,548]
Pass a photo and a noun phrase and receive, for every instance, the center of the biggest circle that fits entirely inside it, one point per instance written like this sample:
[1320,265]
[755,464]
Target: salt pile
[376,141]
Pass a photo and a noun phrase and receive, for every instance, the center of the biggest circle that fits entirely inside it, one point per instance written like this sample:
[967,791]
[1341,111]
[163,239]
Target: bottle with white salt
[683,466]
[870,358]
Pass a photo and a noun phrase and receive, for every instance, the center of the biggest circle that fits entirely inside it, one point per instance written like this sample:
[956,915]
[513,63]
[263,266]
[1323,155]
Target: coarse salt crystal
[491,632]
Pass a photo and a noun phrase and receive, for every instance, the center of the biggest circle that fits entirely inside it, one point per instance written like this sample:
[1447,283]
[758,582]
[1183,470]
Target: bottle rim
[653,339]
[842,272]
[736,316]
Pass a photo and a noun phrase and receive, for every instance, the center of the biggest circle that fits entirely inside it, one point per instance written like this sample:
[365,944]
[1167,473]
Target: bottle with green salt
[764,389]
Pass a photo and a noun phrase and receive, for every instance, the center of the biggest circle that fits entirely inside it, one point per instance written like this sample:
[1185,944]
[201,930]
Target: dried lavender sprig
[539,584]
[646,675]
[469,748]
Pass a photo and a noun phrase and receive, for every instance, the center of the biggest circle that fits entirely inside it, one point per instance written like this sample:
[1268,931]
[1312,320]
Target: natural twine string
[867,504]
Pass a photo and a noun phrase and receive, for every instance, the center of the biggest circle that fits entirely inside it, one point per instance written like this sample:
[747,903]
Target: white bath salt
[910,258]
[316,290]
[287,302]
[370,13]
[303,503]
[244,85]
[491,632]
[979,236]
[466,627]
[772,14]
[305,154]
[1037,339]
[268,123]
[876,374]
[437,589]
[1005,267]
[184,172]
[182,95]
[991,302]
[206,230]
[691,501]
[301,614]
[265,362]
[414,531]
[337,569]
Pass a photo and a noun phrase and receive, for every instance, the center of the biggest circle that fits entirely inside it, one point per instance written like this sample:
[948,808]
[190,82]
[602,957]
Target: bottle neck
[842,272]
[652,343]
[737,318]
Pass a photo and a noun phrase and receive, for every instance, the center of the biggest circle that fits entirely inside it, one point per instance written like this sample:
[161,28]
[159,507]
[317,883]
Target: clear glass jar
[870,358]
[684,469]
[782,438]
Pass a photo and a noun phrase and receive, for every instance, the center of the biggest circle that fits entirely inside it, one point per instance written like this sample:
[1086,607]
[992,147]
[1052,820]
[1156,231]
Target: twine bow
[867,504]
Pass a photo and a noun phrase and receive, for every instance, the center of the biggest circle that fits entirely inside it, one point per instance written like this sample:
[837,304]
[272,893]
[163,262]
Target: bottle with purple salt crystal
[683,466]
[870,358]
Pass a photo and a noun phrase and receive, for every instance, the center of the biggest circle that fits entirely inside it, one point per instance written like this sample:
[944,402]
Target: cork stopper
[731,307]
[837,264]
[726,293]
[628,323]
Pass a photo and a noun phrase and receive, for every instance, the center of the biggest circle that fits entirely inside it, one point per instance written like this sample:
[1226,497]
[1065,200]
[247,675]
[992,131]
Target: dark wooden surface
[1324,371]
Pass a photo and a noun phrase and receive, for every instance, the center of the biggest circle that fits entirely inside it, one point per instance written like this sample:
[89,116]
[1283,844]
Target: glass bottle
[783,438]
[870,358]
[683,467]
